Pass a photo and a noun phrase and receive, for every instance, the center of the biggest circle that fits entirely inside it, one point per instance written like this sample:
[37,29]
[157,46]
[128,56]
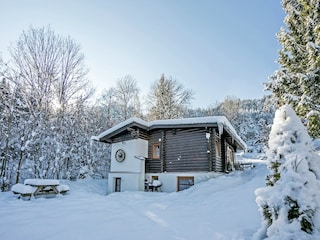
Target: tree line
[48,112]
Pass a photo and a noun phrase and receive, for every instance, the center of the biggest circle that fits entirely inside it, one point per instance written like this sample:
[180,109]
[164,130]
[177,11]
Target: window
[154,178]
[185,182]
[156,151]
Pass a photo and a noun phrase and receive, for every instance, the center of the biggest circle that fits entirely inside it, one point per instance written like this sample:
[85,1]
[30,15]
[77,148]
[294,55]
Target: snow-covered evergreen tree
[297,82]
[290,202]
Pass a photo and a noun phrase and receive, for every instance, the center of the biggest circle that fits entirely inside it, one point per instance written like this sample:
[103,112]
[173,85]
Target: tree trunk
[19,166]
[5,157]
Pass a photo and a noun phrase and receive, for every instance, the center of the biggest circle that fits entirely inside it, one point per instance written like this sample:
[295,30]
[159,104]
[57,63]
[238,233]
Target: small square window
[156,151]
[154,178]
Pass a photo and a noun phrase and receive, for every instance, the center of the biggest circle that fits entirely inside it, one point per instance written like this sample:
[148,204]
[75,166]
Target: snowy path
[222,208]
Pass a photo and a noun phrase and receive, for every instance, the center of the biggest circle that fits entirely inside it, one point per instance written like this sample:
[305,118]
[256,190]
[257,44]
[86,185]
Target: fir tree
[298,80]
[289,204]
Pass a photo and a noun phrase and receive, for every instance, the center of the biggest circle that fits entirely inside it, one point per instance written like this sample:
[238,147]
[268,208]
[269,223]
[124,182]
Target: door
[117,184]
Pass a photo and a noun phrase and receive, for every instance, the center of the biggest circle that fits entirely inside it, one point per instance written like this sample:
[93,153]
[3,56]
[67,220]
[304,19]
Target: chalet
[176,152]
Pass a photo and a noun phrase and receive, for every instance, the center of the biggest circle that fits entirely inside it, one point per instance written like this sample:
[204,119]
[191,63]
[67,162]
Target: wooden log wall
[188,150]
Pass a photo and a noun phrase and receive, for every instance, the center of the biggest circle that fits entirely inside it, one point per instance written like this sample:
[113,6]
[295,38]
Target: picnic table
[39,187]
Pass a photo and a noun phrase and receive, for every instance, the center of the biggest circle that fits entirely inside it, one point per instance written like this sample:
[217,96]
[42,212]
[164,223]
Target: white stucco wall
[170,180]
[129,182]
[133,148]
[132,169]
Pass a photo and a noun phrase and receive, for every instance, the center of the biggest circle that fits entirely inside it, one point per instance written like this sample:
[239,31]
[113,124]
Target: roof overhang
[134,123]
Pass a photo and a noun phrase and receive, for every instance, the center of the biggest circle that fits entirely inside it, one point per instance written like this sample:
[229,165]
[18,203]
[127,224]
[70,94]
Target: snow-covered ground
[221,208]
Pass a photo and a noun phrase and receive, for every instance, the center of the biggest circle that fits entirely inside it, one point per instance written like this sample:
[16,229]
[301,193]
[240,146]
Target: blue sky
[215,48]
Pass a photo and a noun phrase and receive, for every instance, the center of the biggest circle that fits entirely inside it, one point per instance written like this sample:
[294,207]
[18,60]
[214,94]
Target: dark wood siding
[127,135]
[220,162]
[182,150]
[143,134]
[212,150]
[154,165]
[122,137]
[223,153]
[188,150]
[217,162]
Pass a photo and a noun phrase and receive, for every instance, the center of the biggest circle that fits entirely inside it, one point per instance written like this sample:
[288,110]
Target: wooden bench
[24,191]
[63,189]
[39,187]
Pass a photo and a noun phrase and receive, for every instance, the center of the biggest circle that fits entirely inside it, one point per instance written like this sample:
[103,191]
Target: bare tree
[167,99]
[45,70]
[127,94]
[34,65]
[230,107]
[71,82]
[109,108]
[49,67]
[122,100]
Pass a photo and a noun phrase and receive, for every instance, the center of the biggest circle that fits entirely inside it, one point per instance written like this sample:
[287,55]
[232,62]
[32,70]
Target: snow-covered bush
[289,204]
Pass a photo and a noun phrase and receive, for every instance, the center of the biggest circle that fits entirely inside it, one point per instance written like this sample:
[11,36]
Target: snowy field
[221,208]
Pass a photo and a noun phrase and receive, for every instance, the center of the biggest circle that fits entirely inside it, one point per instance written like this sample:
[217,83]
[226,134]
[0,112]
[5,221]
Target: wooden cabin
[177,152]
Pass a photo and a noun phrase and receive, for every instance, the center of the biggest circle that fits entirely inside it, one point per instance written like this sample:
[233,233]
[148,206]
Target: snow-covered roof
[219,121]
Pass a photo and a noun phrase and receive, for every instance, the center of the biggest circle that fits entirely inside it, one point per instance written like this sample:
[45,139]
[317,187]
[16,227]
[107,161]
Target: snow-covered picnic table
[155,185]
[39,187]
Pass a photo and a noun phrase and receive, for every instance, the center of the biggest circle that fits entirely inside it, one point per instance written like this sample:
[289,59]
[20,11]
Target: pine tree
[298,80]
[289,203]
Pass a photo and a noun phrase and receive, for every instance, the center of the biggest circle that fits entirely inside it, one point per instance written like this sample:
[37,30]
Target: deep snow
[221,208]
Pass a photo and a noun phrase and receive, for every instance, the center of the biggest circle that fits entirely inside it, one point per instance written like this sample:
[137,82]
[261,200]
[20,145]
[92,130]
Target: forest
[49,111]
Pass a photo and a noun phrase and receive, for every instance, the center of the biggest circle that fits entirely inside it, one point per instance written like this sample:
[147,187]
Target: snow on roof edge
[118,126]
[197,120]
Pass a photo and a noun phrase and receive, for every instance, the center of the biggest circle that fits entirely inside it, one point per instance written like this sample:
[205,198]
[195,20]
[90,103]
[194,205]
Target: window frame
[188,178]
[156,151]
[154,177]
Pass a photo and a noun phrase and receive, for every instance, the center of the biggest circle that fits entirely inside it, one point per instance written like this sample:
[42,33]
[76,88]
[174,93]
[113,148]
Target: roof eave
[107,137]
[189,125]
